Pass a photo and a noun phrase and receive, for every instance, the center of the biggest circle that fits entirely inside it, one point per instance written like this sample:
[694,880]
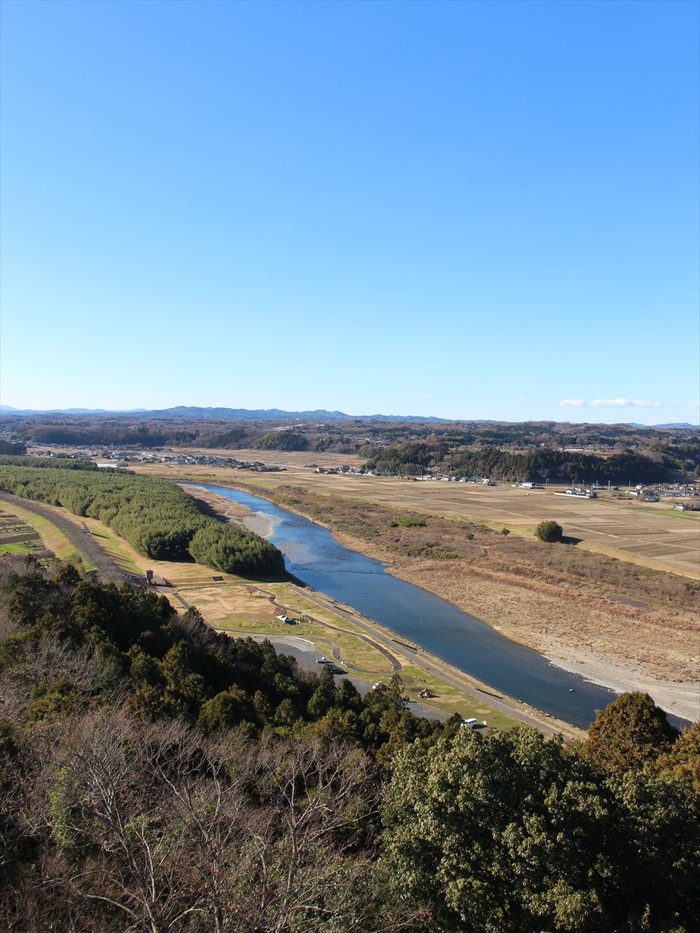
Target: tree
[683,759]
[475,834]
[512,833]
[629,733]
[549,531]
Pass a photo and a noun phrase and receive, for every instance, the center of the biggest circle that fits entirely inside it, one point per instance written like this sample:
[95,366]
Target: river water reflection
[314,556]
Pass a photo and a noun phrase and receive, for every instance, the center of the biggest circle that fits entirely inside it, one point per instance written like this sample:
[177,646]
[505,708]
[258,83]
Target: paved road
[78,537]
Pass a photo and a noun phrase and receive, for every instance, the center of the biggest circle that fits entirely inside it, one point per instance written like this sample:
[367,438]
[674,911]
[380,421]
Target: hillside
[158,777]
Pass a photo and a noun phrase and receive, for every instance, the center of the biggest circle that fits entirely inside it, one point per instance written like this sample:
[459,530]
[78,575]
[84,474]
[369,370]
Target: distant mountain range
[195,413]
[9,410]
[221,414]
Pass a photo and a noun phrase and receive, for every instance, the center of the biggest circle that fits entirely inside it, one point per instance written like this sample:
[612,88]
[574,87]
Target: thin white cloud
[694,405]
[619,402]
[520,400]
[624,403]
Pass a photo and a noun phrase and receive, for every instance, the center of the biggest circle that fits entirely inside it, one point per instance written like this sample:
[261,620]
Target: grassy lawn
[688,516]
[451,700]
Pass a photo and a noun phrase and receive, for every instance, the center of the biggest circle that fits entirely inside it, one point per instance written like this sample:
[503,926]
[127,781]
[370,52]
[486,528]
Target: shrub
[549,531]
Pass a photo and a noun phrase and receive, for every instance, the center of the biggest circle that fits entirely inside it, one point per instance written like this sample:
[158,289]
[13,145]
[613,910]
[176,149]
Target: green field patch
[688,516]
[25,547]
[53,538]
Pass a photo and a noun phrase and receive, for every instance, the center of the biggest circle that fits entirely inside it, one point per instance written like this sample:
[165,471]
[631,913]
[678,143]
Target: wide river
[313,555]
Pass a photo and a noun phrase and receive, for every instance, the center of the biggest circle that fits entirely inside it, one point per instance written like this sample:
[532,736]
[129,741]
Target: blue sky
[473,210]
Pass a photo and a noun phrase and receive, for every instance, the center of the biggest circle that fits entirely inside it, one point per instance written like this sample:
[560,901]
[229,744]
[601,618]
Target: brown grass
[559,599]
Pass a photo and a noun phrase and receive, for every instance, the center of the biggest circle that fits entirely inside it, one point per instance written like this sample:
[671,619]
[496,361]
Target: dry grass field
[630,623]
[651,535]
[626,623]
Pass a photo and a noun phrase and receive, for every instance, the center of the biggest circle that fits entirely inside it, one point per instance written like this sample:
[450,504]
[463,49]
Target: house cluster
[206,460]
[667,491]
[341,469]
[120,458]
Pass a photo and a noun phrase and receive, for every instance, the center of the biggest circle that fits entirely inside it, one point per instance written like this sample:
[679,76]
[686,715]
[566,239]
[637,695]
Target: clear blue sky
[473,210]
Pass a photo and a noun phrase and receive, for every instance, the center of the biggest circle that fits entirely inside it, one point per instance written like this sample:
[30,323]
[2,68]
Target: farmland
[649,535]
[617,604]
[19,537]
[627,623]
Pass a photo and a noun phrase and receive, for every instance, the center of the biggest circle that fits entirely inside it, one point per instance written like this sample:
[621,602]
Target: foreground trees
[156,777]
[630,733]
[512,834]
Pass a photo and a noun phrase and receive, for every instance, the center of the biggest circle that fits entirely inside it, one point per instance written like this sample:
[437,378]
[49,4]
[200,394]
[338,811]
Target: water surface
[313,555]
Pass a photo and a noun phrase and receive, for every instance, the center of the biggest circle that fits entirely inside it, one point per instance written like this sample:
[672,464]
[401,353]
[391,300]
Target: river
[313,555]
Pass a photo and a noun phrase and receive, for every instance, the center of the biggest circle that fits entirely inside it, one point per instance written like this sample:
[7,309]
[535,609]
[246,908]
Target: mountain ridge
[199,412]
[202,413]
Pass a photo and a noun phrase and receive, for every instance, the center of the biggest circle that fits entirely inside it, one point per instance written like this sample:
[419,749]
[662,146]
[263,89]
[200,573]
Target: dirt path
[78,537]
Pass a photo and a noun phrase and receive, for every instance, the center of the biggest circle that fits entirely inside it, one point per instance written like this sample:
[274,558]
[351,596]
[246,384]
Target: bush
[407,521]
[549,531]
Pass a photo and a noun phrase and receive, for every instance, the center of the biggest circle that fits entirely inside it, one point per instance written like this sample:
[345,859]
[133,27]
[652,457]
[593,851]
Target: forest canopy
[157,776]
[155,516]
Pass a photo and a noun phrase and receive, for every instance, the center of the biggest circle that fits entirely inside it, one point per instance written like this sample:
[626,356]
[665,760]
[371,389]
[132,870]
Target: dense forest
[156,776]
[282,440]
[41,463]
[8,447]
[414,459]
[157,517]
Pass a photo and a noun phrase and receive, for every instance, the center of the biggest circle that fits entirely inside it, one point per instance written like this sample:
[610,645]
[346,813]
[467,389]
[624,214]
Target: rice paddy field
[650,534]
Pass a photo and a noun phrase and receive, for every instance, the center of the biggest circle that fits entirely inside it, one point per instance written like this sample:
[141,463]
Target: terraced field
[18,537]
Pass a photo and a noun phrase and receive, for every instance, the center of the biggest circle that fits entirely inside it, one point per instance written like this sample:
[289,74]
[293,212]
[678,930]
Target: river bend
[313,555]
